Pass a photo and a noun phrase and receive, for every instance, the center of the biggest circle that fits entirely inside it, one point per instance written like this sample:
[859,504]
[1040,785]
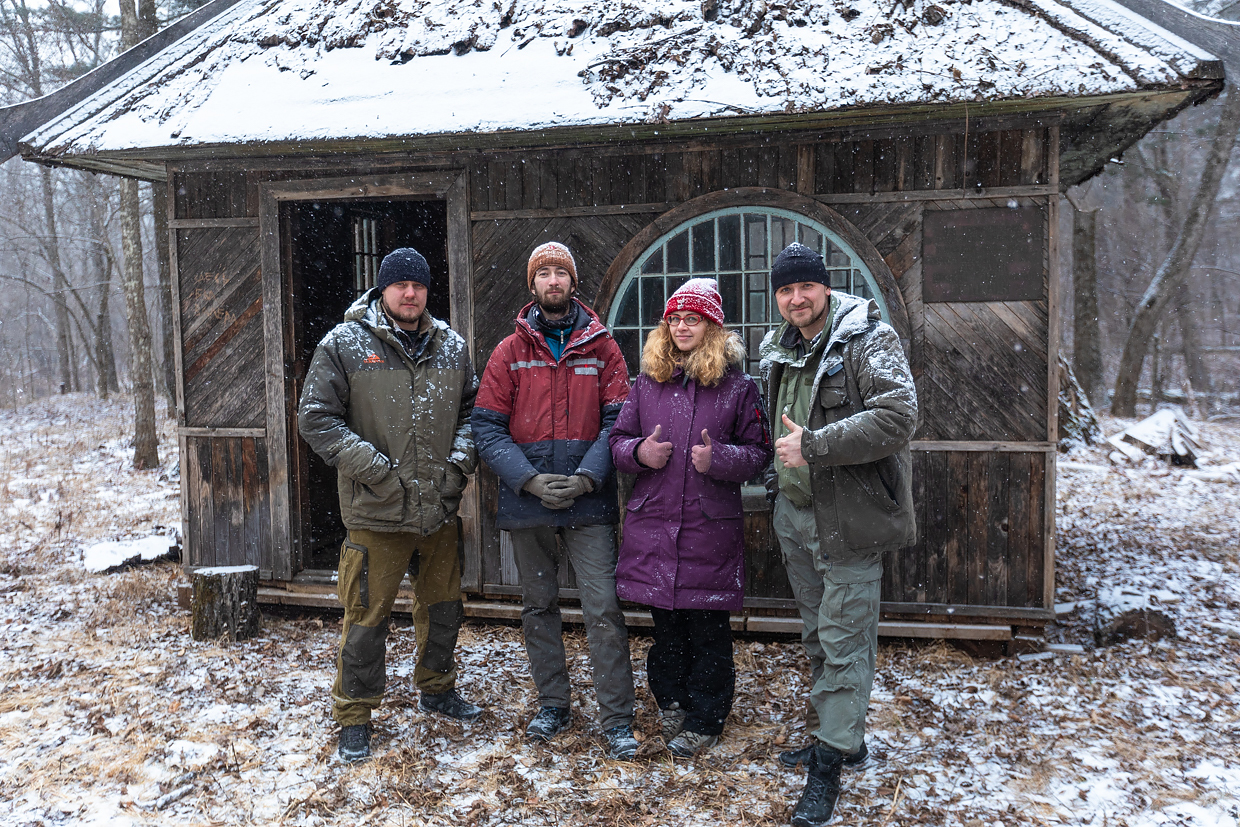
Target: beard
[402,314]
[555,305]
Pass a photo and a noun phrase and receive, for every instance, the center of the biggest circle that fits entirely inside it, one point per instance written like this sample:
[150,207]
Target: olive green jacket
[862,416]
[395,426]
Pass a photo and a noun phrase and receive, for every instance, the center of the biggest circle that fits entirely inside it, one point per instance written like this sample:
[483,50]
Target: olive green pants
[372,565]
[837,594]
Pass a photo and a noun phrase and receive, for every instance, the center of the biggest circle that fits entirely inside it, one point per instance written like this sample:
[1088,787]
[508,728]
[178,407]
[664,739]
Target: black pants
[690,663]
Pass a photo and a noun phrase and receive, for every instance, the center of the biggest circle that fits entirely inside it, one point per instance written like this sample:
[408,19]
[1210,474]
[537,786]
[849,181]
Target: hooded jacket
[394,424]
[863,413]
[539,415]
[684,536]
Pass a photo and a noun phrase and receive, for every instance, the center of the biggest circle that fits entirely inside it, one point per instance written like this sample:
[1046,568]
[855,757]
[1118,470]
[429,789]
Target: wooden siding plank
[996,550]
[863,166]
[1011,147]
[1020,532]
[1032,157]
[979,523]
[824,168]
[956,536]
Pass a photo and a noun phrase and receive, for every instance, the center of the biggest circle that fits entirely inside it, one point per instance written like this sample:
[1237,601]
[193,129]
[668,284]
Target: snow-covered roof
[309,70]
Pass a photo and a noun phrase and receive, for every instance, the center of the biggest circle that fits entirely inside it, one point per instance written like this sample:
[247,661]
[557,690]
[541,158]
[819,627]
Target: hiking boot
[689,743]
[450,703]
[354,743]
[794,758]
[671,721]
[548,721]
[822,788]
[621,745]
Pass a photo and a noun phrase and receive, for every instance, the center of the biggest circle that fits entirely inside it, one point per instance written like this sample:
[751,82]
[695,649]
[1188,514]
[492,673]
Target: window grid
[366,257]
[735,247]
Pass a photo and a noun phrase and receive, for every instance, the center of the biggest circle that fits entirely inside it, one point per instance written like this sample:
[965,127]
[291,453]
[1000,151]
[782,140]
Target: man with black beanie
[844,408]
[387,402]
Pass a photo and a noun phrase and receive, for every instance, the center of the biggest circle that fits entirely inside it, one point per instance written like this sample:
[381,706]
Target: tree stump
[225,603]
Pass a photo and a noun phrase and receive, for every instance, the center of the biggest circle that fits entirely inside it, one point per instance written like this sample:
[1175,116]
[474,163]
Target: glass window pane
[811,238]
[757,309]
[836,257]
[704,247]
[860,287]
[730,290]
[654,264]
[755,242]
[730,242]
[783,233]
[839,279]
[626,313]
[678,253]
[653,301]
[630,346]
[673,284]
[753,340]
[756,281]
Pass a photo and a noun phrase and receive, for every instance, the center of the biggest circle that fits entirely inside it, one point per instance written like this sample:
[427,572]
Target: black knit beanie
[797,263]
[403,264]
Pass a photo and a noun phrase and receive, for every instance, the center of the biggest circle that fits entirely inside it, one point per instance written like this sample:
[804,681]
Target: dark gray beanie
[797,263]
[403,264]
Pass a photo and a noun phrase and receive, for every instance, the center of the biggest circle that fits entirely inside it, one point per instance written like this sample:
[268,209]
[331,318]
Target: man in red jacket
[549,396]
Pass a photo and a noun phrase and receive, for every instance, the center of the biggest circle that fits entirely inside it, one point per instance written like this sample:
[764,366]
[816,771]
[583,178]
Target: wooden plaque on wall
[988,255]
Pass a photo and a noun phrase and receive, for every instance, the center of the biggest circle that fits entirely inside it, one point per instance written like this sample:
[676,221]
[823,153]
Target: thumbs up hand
[788,448]
[651,452]
[701,454]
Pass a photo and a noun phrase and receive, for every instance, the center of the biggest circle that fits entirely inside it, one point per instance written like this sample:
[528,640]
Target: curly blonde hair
[706,364]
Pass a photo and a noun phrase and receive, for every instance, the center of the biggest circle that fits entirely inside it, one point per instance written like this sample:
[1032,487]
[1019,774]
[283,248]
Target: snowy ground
[111,714]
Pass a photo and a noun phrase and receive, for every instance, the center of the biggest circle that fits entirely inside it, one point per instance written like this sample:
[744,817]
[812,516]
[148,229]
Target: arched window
[735,246]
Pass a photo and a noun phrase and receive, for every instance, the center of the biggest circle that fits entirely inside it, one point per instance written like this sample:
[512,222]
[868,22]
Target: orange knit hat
[552,253]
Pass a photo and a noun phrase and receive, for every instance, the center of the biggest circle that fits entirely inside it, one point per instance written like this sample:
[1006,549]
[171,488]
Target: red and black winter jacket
[536,415]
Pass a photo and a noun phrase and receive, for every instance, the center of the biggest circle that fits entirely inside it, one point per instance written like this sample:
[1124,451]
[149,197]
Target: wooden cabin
[924,155]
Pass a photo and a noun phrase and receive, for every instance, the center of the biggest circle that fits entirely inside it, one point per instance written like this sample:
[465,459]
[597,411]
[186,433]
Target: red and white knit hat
[552,253]
[699,296]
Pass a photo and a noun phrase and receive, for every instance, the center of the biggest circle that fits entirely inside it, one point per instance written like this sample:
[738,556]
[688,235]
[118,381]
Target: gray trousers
[592,552]
[839,623]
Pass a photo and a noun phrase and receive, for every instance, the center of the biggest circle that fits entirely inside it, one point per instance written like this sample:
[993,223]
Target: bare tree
[1174,269]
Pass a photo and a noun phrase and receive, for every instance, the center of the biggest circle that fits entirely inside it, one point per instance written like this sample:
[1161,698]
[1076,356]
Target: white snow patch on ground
[107,706]
[99,557]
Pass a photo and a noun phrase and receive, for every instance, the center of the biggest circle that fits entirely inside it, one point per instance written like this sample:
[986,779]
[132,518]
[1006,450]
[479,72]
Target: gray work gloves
[557,491]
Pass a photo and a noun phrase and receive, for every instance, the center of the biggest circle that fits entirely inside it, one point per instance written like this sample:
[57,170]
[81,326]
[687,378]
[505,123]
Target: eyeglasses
[690,319]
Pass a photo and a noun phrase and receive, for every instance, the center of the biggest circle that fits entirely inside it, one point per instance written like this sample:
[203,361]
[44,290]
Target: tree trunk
[1190,343]
[1086,338]
[101,266]
[145,441]
[51,246]
[1175,267]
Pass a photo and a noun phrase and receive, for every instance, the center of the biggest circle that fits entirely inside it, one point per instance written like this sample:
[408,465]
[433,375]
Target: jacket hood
[853,315]
[367,311]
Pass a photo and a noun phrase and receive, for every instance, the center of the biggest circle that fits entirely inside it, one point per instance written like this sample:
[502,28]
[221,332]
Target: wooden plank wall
[595,201]
[223,409]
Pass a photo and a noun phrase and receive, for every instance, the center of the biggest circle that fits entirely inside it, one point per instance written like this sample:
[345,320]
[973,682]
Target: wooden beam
[571,212]
[910,196]
[1221,37]
[223,433]
[209,223]
[987,447]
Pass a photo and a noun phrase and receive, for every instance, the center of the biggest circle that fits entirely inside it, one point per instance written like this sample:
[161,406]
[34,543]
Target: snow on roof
[297,70]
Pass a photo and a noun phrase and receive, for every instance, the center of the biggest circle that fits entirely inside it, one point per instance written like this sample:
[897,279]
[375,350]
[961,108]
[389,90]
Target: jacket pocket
[832,392]
[869,512]
[383,502]
[717,509]
[636,501]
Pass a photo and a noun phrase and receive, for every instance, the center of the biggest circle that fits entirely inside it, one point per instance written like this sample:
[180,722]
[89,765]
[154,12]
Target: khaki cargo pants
[372,565]
[837,594]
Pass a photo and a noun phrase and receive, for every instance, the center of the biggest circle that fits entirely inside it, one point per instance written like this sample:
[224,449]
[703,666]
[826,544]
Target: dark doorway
[332,250]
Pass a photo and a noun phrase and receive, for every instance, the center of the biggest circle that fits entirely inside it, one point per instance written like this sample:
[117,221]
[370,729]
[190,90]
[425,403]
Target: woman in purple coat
[692,430]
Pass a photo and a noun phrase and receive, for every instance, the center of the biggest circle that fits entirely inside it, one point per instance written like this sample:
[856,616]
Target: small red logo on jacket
[373,359]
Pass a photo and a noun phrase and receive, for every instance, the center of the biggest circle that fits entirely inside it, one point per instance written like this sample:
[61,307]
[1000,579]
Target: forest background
[86,303]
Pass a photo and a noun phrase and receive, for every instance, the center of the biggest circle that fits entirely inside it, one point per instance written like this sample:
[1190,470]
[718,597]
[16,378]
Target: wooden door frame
[451,186]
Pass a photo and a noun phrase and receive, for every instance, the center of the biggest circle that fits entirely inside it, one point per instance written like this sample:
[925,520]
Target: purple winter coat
[684,542]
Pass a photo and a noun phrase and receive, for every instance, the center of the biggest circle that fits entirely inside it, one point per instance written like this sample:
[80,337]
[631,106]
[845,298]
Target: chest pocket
[832,392]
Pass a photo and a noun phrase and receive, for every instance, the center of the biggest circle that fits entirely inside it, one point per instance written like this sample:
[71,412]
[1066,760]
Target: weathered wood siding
[980,368]
[225,480]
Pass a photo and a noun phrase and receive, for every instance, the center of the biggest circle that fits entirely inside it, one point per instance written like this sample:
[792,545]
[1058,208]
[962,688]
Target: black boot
[822,788]
[794,758]
[450,703]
